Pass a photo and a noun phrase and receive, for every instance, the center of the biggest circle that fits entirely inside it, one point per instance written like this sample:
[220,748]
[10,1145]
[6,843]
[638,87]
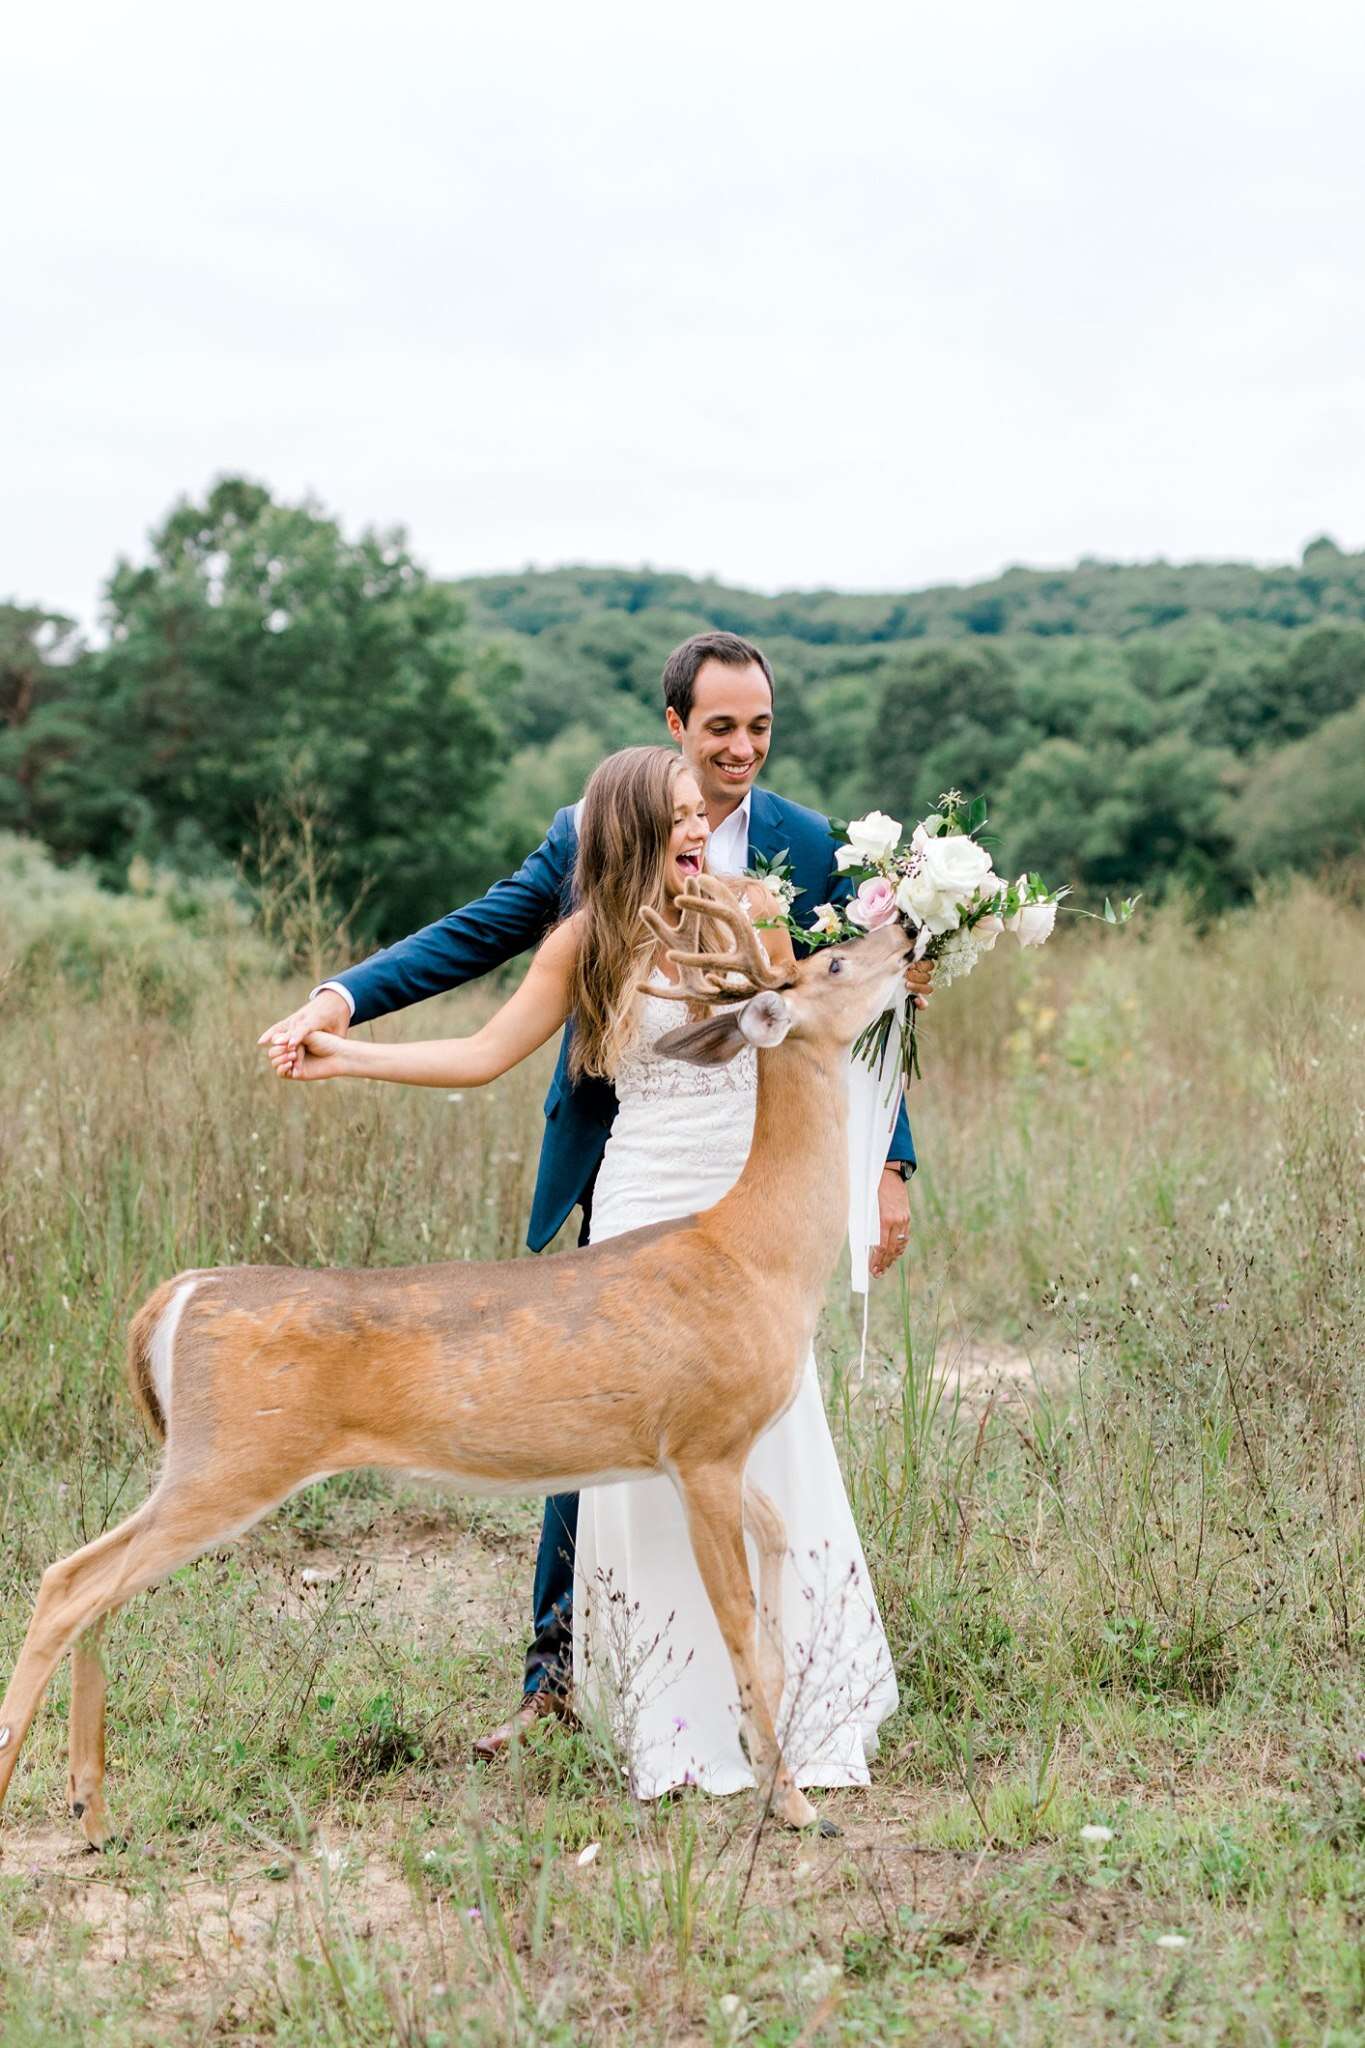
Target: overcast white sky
[853,294]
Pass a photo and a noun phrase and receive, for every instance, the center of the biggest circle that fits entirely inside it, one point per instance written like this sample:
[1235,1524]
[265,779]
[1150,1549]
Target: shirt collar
[738,820]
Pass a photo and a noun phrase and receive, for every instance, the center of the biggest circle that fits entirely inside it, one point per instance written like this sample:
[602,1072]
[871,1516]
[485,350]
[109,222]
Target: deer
[669,1349]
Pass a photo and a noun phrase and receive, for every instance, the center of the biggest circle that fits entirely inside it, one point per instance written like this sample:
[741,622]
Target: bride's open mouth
[689,863]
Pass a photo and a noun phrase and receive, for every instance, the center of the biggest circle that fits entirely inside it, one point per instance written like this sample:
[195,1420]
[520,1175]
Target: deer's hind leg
[713,1500]
[178,1523]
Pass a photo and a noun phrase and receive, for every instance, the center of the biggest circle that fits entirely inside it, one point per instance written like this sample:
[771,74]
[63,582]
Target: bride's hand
[319,1057]
[919,979]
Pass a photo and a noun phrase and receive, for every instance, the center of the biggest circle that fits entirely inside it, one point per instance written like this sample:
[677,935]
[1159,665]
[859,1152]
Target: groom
[718,705]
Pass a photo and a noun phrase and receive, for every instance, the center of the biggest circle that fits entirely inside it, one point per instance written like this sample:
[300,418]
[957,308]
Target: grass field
[1107,1460]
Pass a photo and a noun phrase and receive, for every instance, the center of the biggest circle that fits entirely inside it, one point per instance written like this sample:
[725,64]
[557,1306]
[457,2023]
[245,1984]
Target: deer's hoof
[94,1820]
[828,1831]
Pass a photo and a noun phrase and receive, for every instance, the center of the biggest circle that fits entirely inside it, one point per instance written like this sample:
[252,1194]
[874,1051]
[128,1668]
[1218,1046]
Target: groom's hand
[893,1210]
[326,1011]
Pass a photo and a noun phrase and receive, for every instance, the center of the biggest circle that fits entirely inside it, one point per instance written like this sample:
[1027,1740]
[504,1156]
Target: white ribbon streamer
[874,1098]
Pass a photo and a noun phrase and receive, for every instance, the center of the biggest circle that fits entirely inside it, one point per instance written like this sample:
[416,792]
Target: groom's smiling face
[728,732]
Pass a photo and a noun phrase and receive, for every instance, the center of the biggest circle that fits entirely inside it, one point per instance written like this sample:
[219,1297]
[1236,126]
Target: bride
[649,1663]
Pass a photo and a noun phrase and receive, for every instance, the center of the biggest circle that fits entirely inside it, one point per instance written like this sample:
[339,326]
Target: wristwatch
[900,1166]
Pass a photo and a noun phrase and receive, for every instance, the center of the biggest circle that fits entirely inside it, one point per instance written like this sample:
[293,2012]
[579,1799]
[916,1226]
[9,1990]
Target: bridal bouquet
[943,889]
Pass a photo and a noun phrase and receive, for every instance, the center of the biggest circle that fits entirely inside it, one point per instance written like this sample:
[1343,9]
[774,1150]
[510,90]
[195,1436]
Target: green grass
[1124,1588]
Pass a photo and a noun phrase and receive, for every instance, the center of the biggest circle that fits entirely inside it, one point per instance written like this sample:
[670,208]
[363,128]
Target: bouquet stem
[874,1041]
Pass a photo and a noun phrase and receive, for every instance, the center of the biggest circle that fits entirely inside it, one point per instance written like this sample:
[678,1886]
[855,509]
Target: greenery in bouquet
[942,887]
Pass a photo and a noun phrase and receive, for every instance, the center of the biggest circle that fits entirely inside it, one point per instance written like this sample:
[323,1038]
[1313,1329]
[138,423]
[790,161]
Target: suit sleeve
[513,916]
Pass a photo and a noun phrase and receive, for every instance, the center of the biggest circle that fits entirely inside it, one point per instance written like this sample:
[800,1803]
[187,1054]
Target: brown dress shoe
[536,1706]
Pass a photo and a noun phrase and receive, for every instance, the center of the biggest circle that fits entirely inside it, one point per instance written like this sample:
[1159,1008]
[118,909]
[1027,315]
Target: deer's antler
[683,938]
[713,975]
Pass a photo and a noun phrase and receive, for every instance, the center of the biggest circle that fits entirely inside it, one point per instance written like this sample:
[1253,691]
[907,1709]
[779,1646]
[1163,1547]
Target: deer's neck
[789,1207]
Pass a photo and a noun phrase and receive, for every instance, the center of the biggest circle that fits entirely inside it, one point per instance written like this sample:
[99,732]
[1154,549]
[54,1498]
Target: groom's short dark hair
[680,670]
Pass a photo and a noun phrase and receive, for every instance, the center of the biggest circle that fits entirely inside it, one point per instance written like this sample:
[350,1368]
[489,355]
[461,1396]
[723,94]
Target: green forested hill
[1134,726]
[1113,599]
[1123,719]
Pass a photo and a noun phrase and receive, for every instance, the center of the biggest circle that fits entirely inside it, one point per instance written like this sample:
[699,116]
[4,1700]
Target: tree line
[1134,727]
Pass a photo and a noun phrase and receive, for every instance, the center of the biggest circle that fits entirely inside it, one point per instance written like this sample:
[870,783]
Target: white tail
[670,1349]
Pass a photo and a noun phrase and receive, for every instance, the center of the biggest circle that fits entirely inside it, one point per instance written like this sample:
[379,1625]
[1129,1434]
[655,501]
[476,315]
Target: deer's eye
[836,965]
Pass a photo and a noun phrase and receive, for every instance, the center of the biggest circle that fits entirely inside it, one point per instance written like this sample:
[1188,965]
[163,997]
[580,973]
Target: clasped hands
[324,1016]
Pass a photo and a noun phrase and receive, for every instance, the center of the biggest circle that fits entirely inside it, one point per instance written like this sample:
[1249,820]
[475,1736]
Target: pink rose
[874,905]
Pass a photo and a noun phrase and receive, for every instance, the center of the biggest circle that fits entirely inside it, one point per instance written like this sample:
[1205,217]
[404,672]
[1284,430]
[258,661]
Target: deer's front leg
[713,1500]
[764,1523]
[85,1735]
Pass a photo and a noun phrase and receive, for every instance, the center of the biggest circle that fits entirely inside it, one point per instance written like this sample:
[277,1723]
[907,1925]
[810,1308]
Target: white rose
[1032,923]
[987,930]
[920,900]
[956,865]
[948,873]
[870,839]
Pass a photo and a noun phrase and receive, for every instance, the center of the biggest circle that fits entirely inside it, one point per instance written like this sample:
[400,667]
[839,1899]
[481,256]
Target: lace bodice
[649,1076]
[681,1134]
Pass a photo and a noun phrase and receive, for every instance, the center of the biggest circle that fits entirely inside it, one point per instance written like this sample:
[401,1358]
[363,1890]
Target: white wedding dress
[648,1659]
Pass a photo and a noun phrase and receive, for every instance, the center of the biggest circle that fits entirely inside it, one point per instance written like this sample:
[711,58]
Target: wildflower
[1173,1941]
[1093,1832]
[679,1725]
[588,1855]
[473,1915]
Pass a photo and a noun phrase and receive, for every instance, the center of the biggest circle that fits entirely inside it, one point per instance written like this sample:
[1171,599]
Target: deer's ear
[766,1019]
[707,1042]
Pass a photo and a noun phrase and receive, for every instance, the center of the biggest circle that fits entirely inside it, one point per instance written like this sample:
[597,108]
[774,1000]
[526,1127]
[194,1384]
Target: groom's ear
[707,1042]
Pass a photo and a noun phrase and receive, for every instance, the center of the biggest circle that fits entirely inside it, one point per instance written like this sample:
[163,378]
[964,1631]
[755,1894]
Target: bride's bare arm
[536,1011]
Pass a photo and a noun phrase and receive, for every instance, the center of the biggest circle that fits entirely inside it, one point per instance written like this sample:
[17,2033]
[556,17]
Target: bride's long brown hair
[623,838]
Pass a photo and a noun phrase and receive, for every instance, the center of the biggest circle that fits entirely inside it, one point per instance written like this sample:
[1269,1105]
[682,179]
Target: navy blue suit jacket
[516,914]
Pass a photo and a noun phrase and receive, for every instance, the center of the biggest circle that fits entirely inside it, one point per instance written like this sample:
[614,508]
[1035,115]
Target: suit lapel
[771,829]
[765,826]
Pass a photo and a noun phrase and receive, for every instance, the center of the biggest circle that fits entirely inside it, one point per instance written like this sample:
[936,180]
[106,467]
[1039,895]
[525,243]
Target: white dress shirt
[727,850]
[727,853]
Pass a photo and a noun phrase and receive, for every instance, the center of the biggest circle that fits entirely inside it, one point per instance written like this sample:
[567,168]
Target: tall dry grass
[1141,1167]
